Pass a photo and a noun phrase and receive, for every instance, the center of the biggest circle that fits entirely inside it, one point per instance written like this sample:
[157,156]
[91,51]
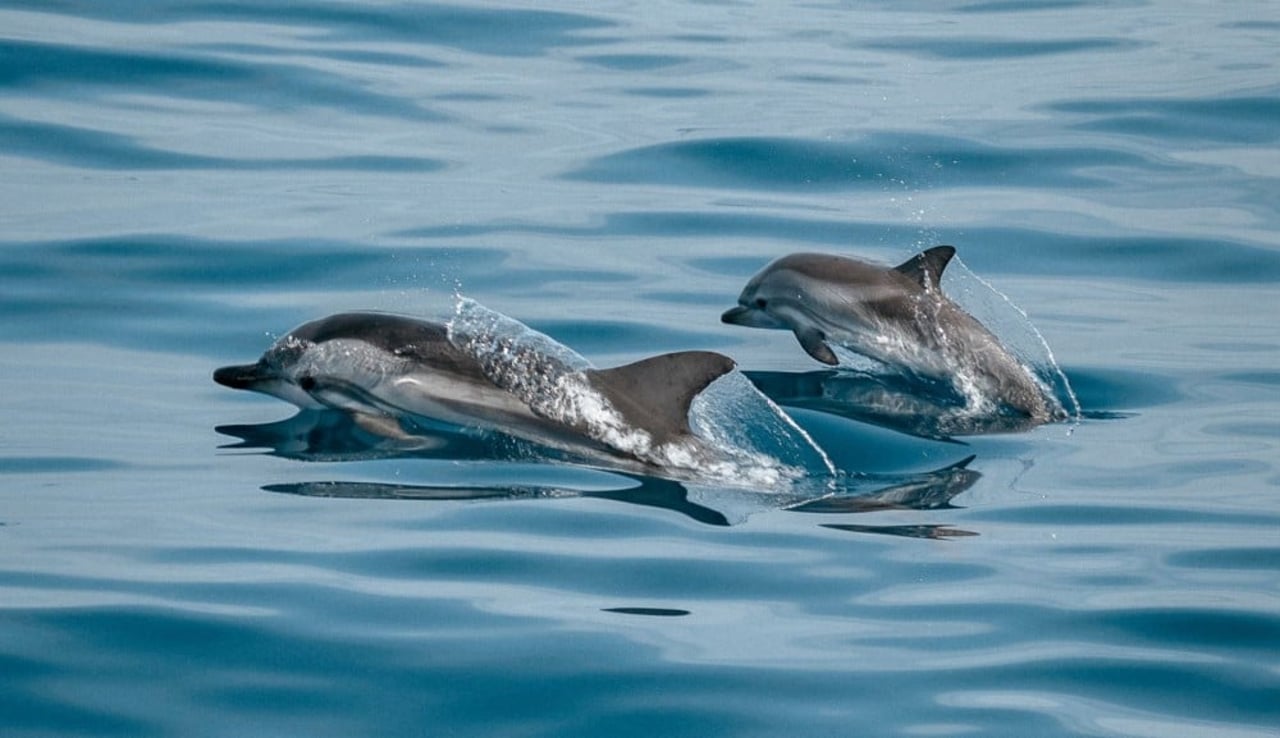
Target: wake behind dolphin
[897,316]
[484,370]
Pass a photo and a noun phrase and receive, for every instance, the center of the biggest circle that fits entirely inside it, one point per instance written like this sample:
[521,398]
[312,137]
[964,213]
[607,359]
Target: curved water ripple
[96,149]
[224,75]
[871,162]
[1229,120]
[997,48]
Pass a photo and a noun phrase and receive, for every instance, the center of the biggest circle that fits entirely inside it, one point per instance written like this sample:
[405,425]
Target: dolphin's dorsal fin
[925,268]
[654,394]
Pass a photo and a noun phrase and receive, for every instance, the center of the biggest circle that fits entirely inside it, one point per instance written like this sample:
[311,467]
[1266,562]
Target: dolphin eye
[761,303]
[307,382]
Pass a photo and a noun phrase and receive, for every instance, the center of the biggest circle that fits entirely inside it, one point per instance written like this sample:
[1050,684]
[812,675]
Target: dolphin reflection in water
[325,435]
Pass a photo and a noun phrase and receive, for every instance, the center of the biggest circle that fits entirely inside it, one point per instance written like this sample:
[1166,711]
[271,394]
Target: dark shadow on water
[328,436]
[651,492]
[1109,393]
[865,162]
[88,148]
[933,532]
[653,612]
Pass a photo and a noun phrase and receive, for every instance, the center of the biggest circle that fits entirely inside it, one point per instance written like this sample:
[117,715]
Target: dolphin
[381,367]
[898,316]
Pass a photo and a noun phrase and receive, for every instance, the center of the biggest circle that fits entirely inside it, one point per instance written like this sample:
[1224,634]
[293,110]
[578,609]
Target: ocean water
[182,182]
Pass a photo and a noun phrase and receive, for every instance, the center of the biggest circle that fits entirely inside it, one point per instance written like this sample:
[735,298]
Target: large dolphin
[380,367]
[898,316]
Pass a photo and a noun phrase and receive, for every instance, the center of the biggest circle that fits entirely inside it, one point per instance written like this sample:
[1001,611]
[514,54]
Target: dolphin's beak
[243,376]
[751,317]
[735,315]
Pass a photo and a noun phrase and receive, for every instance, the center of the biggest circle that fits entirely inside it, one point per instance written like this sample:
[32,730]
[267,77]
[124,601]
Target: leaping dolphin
[898,316]
[380,367]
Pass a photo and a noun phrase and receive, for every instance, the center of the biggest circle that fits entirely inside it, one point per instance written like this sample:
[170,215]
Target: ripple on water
[91,148]
[869,162]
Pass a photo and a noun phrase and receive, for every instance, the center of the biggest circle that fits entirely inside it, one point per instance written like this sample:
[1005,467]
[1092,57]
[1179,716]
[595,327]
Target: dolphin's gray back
[837,269]
[845,284]
[921,272]
[420,341]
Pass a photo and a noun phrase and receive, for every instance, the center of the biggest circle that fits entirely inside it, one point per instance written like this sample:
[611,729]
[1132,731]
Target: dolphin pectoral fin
[654,394]
[387,427]
[815,344]
[925,268]
[380,425]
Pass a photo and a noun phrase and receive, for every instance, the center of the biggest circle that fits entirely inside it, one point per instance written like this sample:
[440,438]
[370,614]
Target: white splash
[732,414]
[742,438]
[1020,336]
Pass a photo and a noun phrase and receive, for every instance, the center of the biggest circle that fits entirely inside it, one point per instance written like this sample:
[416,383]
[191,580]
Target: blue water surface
[181,182]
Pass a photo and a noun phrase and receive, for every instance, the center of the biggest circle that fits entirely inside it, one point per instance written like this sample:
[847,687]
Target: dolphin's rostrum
[898,316]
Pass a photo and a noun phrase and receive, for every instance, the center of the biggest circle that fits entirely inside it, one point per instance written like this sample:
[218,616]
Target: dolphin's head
[814,295]
[335,362]
[759,302]
[278,373]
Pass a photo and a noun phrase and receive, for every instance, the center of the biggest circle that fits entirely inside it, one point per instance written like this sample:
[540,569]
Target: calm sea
[182,181]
